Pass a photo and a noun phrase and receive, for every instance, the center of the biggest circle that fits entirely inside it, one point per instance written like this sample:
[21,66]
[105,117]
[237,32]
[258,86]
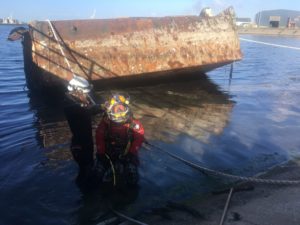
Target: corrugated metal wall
[263,18]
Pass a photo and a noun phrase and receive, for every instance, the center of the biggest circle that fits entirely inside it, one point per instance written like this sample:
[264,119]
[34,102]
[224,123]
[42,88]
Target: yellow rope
[112,168]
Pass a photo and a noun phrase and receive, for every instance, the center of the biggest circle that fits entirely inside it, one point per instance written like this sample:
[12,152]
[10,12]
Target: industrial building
[278,18]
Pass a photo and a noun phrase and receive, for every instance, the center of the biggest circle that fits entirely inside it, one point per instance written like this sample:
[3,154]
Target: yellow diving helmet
[117,108]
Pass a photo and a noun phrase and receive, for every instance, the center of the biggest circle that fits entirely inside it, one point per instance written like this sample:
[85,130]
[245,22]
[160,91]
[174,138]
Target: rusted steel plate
[131,46]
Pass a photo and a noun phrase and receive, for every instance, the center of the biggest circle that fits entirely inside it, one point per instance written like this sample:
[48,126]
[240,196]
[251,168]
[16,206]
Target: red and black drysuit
[119,141]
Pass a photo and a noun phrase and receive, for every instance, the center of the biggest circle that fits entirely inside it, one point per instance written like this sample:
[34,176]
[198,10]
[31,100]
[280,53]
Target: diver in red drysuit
[118,139]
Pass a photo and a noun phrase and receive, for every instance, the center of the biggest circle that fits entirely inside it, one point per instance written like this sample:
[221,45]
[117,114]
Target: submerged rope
[270,44]
[226,206]
[128,218]
[212,172]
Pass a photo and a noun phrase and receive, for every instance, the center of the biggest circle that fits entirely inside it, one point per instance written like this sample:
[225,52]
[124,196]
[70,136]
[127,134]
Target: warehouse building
[278,18]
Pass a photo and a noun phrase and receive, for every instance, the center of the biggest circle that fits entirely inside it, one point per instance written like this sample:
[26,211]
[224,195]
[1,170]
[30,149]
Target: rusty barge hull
[112,49]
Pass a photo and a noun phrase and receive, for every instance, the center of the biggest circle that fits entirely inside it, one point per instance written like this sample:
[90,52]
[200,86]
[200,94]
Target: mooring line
[127,218]
[226,207]
[212,172]
[269,44]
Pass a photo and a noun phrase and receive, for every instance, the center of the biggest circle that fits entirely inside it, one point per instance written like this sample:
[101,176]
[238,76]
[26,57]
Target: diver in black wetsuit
[82,146]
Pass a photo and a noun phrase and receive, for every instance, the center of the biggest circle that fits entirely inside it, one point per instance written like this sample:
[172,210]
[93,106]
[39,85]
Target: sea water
[243,125]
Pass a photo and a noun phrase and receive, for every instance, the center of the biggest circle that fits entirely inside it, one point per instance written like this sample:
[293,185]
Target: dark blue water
[243,126]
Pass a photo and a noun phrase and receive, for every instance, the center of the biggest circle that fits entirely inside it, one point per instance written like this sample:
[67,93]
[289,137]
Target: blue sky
[27,10]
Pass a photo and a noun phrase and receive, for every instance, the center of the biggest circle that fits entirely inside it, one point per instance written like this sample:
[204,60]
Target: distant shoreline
[289,32]
[13,24]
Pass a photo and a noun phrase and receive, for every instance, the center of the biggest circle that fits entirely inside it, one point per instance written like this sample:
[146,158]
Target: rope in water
[270,44]
[226,206]
[128,218]
[212,172]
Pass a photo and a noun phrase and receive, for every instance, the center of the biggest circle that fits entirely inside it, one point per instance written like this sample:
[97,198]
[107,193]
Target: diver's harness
[121,149]
[112,151]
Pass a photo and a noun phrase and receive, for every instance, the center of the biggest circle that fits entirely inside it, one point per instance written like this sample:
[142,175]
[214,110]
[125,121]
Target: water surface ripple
[243,126]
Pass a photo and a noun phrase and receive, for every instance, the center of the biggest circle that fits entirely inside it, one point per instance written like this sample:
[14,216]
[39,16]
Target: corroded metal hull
[120,48]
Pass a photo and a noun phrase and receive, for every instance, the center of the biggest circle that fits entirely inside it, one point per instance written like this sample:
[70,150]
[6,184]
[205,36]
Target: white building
[9,20]
[243,22]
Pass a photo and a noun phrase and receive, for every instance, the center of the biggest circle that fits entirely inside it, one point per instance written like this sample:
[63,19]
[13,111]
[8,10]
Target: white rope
[60,47]
[59,41]
[270,44]
[226,206]
[128,218]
